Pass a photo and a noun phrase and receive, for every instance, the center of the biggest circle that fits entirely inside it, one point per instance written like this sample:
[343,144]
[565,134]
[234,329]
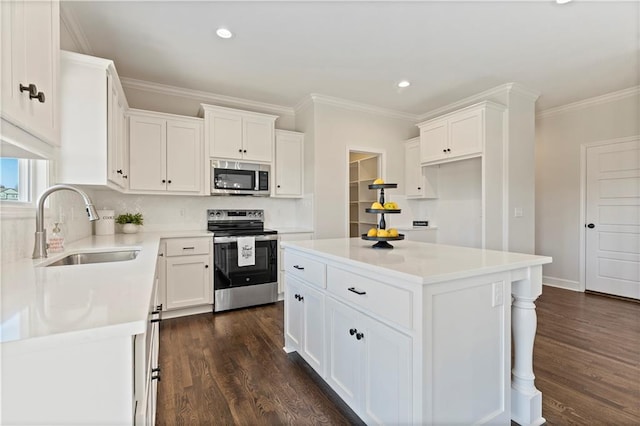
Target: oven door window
[228,274]
[234,179]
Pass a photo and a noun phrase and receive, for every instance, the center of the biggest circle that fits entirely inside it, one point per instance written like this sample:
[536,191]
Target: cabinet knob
[155,370]
[157,376]
[159,307]
[119,171]
[359,336]
[125,177]
[164,181]
[33,92]
[240,151]
[245,151]
[448,149]
[444,150]
[206,266]
[353,331]
[419,188]
[169,181]
[156,320]
[591,226]
[278,186]
[161,254]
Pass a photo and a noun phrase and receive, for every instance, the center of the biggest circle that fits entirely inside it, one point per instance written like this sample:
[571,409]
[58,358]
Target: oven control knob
[218,213]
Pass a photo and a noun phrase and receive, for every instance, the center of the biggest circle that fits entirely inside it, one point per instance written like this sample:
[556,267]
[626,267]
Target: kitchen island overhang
[443,312]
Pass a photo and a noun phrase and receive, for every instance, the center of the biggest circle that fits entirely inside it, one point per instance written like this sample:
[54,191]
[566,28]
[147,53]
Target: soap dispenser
[56,240]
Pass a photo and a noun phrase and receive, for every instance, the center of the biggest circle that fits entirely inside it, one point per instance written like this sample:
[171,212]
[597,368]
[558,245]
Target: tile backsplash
[161,213]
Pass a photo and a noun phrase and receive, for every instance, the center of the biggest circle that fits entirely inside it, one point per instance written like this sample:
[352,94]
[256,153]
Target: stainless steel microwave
[237,178]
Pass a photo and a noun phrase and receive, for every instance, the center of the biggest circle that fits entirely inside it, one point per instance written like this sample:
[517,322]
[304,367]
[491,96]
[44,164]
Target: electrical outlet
[498,294]
[182,212]
[517,212]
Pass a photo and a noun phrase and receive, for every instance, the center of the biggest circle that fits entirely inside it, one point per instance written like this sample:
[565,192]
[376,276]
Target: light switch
[517,212]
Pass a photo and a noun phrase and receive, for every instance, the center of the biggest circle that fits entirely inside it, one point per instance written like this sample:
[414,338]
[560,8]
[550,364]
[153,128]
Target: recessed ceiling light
[562,1]
[404,83]
[224,33]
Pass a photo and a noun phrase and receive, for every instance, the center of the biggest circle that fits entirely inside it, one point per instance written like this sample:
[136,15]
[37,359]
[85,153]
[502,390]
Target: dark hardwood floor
[229,368]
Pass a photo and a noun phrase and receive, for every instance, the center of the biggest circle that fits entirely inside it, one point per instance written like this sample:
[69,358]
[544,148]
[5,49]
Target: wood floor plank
[230,369]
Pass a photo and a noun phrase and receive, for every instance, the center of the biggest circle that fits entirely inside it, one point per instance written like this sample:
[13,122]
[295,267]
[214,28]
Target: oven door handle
[222,240]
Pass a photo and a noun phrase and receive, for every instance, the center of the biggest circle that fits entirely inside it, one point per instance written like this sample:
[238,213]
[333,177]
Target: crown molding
[205,97]
[73,26]
[585,103]
[316,98]
[482,96]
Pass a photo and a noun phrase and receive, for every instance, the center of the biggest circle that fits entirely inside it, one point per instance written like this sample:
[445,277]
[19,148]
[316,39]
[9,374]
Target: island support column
[526,400]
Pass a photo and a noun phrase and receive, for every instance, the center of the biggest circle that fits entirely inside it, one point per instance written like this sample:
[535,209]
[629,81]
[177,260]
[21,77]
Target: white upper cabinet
[93,124]
[30,33]
[238,135]
[420,182]
[455,136]
[165,153]
[289,164]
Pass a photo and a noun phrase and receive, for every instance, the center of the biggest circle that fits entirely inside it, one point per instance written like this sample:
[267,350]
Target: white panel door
[293,313]
[465,134]
[226,136]
[289,160]
[188,282]
[257,138]
[613,219]
[42,49]
[147,153]
[184,156]
[387,374]
[434,141]
[313,342]
[414,182]
[345,353]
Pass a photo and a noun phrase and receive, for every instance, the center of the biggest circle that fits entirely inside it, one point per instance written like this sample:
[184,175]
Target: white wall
[558,139]
[336,131]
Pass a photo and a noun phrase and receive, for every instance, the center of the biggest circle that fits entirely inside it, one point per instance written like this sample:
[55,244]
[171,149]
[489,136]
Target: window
[21,180]
[14,180]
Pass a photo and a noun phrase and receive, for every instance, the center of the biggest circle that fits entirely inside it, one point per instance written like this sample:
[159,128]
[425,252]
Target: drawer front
[310,270]
[391,303]
[188,246]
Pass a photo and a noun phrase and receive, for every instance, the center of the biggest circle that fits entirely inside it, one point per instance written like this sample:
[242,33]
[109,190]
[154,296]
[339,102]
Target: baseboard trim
[187,311]
[561,283]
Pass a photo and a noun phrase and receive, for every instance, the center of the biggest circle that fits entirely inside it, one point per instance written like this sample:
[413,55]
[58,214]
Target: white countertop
[81,301]
[422,263]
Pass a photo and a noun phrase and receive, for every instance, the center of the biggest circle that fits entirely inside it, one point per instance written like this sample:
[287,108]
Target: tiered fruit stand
[383,242]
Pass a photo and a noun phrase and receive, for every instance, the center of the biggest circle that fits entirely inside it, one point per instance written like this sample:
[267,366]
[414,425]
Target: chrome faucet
[40,247]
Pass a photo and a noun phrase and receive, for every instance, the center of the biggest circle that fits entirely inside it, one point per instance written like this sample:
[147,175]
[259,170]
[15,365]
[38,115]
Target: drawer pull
[353,289]
[159,307]
[298,267]
[155,312]
[188,248]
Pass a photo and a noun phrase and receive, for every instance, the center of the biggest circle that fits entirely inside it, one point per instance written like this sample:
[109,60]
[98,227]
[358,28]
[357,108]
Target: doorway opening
[364,168]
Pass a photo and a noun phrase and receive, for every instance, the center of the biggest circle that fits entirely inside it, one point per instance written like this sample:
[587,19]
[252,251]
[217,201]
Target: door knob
[591,226]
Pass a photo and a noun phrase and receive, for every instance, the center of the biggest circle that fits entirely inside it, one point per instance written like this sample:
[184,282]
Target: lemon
[393,232]
[373,232]
[389,205]
[378,181]
[382,233]
[377,206]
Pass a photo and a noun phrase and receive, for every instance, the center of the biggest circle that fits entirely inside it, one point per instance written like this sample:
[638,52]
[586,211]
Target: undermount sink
[96,257]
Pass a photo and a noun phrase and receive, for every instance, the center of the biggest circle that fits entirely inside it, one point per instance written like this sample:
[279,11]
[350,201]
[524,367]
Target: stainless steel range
[238,283]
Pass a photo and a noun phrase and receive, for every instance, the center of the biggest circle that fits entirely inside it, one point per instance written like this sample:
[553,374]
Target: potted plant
[130,222]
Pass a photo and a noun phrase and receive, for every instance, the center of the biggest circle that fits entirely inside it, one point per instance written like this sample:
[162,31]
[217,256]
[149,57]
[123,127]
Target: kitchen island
[420,334]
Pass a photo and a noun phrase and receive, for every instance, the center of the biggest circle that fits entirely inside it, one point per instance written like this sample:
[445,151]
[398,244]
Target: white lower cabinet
[305,322]
[188,280]
[368,365]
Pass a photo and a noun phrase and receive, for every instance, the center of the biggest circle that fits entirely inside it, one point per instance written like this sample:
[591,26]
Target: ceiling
[283,51]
